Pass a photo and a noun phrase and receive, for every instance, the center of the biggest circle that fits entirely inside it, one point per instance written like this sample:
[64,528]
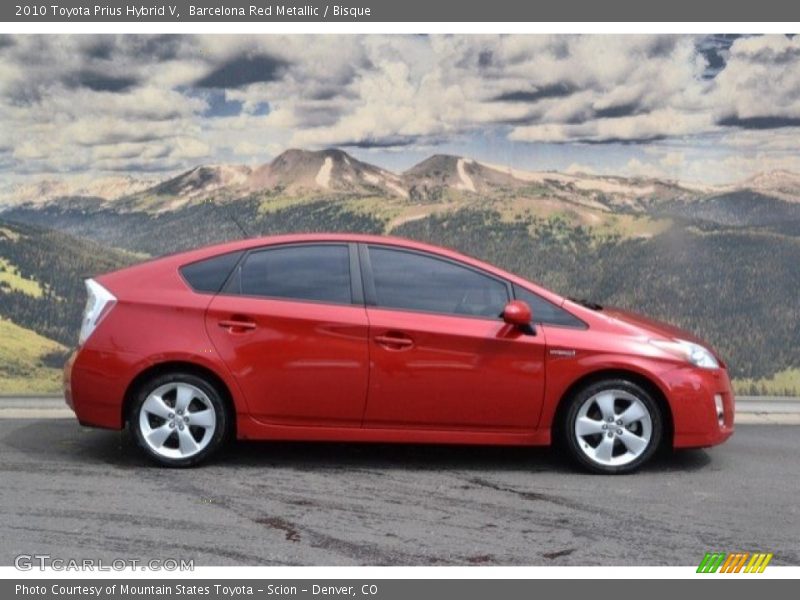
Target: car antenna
[233,218]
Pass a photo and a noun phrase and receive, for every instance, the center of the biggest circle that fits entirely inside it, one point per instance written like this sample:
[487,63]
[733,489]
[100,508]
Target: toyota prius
[377,339]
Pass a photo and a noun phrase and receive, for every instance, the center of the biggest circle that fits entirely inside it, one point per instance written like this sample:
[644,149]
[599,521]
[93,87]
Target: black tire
[573,444]
[214,396]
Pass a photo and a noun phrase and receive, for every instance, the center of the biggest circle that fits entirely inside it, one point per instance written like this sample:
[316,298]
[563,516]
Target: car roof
[174,261]
[272,240]
[299,238]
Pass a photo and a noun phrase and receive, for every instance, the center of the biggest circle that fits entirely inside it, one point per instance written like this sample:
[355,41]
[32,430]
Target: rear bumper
[95,383]
[692,393]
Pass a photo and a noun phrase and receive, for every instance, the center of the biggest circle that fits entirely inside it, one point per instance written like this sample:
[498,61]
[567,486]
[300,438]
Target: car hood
[652,327]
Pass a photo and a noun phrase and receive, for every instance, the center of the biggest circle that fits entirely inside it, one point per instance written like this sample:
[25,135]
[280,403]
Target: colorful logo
[736,562]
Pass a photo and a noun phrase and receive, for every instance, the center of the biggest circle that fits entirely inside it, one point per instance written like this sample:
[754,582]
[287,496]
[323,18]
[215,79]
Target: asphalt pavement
[74,492]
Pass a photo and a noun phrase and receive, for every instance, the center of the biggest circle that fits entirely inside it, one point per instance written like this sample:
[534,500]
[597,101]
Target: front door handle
[394,342]
[237,324]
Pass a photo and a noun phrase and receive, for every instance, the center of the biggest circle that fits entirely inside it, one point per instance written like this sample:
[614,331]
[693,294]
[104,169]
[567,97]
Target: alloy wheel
[177,420]
[613,428]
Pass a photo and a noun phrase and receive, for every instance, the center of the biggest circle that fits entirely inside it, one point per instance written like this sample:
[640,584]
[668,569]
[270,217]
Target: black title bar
[255,11]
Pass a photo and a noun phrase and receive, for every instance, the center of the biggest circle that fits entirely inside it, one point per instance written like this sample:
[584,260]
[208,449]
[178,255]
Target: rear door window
[313,272]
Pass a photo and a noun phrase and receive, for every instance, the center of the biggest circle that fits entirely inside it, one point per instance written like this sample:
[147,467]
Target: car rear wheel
[179,419]
[612,426]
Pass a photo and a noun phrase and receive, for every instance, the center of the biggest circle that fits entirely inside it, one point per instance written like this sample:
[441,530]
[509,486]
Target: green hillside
[29,363]
[44,273]
[729,276]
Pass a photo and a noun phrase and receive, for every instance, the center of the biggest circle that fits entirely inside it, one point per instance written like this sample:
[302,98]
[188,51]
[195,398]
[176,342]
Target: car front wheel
[612,426]
[179,419]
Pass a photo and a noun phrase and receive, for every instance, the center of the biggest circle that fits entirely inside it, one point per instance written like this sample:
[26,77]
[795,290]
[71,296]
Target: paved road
[73,492]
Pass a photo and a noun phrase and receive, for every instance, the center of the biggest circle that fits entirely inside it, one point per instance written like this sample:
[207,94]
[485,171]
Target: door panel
[452,373]
[295,362]
[286,326]
[441,356]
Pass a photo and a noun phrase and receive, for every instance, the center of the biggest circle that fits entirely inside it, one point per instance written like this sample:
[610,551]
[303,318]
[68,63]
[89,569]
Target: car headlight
[691,352]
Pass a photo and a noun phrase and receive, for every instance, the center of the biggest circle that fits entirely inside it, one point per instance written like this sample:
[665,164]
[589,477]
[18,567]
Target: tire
[179,419]
[621,445]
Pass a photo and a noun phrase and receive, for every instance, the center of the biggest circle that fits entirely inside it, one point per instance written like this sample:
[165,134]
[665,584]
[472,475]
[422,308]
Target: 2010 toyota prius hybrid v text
[378,339]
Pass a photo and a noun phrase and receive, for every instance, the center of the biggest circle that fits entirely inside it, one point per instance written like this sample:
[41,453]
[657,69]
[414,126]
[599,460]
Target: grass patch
[28,361]
[10,278]
[274,202]
[632,226]
[783,383]
[383,208]
[601,223]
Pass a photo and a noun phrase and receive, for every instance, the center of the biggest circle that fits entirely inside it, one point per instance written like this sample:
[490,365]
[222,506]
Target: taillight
[98,304]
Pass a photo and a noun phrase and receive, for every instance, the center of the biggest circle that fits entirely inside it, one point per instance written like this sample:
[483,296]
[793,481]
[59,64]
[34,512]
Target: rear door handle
[394,342]
[237,324]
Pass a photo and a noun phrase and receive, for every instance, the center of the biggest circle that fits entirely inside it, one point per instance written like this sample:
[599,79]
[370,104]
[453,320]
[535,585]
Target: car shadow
[66,439]
[419,457]
[423,457]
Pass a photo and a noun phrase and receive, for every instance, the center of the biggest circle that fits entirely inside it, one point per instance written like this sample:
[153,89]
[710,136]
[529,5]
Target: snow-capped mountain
[298,171]
[442,172]
[333,172]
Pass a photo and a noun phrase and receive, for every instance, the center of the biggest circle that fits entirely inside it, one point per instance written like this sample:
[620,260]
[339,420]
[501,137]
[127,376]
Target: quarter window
[319,273]
[412,281]
[208,275]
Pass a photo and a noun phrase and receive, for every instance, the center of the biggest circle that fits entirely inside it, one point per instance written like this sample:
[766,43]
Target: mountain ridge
[332,171]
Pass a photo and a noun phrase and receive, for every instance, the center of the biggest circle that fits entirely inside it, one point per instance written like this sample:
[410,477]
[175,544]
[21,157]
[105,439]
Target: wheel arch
[171,366]
[635,377]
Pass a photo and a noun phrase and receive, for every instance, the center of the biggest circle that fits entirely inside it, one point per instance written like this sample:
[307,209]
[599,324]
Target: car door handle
[394,342]
[237,324]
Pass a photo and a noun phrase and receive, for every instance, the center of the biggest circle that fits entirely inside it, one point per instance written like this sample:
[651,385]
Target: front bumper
[694,412]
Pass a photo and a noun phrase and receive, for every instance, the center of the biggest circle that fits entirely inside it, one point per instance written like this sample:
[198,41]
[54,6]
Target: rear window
[210,274]
[546,312]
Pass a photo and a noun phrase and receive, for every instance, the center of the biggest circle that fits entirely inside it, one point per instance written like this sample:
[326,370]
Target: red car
[377,339]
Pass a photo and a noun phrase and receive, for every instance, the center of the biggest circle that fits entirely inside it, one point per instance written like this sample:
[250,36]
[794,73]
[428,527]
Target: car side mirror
[518,314]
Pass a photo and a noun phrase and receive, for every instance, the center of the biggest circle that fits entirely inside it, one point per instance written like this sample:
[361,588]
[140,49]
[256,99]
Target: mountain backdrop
[721,261]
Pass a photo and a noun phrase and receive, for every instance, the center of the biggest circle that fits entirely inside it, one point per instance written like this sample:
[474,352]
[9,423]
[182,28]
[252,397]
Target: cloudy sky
[696,108]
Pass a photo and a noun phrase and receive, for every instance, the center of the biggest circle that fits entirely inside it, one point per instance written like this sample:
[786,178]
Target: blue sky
[708,109]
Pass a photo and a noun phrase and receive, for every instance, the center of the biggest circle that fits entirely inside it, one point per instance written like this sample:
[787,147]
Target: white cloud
[761,79]
[76,102]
